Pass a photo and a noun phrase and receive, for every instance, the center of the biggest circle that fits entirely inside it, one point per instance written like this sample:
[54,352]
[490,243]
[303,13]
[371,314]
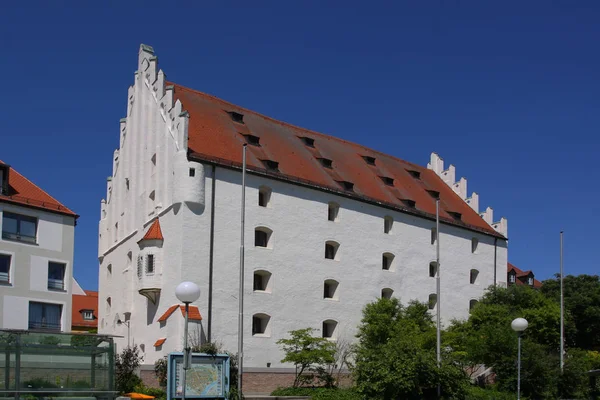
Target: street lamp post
[119,322]
[186,292]
[519,325]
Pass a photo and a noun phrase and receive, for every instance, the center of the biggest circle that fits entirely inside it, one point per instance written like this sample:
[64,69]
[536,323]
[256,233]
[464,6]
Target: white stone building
[36,256]
[330,226]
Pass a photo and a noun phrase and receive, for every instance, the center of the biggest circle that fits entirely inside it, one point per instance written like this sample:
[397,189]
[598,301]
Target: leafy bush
[39,383]
[125,365]
[477,393]
[319,393]
[157,393]
[160,370]
[50,340]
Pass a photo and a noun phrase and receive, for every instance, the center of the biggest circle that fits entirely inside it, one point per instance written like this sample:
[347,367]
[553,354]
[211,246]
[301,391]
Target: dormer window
[310,142]
[88,315]
[4,169]
[326,162]
[253,140]
[511,277]
[409,203]
[369,160]
[434,193]
[236,117]
[456,215]
[347,185]
[414,174]
[271,165]
[530,280]
[387,180]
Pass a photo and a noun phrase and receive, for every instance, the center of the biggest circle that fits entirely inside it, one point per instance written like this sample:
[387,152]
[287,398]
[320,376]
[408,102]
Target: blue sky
[506,91]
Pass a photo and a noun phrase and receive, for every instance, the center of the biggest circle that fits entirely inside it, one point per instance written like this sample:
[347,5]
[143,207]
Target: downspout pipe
[211,251]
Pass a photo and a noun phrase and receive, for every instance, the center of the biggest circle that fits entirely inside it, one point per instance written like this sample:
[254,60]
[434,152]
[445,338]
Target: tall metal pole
[438,289]
[562,308]
[519,369]
[241,290]
[186,352]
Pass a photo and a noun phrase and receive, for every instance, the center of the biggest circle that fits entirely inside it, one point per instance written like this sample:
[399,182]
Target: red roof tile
[154,232]
[193,316]
[22,191]
[80,303]
[215,137]
[160,342]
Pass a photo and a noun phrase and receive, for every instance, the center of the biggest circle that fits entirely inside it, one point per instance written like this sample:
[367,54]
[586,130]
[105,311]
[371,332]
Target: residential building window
[473,276]
[108,304]
[261,281]
[433,235]
[45,316]
[88,315]
[432,301]
[474,244]
[56,275]
[386,293]
[5,268]
[433,269]
[329,328]
[261,325]
[331,250]
[472,304]
[150,264]
[264,196]
[387,260]
[262,237]
[530,281]
[388,222]
[511,277]
[129,259]
[369,160]
[330,287]
[192,172]
[109,270]
[19,227]
[333,210]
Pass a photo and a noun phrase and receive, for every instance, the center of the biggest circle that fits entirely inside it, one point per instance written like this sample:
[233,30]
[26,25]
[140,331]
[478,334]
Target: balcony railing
[4,278]
[46,326]
[56,284]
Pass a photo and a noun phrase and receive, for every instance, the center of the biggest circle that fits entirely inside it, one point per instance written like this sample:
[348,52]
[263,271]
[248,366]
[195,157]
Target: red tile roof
[522,274]
[154,232]
[215,137]
[80,303]
[193,316]
[23,192]
[160,342]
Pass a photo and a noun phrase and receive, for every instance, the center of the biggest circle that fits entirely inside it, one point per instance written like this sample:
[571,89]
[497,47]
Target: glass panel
[9,224]
[45,316]
[4,267]
[28,227]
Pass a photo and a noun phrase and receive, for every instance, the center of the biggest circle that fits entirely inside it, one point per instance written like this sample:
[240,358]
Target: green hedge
[477,393]
[319,393]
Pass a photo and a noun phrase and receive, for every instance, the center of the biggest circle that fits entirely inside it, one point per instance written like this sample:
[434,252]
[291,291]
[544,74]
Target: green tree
[310,354]
[582,306]
[125,365]
[396,357]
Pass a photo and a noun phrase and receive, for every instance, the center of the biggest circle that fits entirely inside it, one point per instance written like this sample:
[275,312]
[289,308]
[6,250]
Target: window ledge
[330,299]
[20,241]
[57,290]
[261,335]
[262,291]
[6,284]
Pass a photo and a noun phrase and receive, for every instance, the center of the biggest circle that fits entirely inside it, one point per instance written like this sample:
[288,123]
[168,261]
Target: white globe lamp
[519,324]
[187,292]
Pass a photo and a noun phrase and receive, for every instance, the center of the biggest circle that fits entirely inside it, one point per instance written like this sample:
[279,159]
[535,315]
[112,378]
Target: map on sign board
[207,377]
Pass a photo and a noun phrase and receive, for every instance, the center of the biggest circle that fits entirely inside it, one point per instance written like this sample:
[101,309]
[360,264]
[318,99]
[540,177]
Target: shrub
[125,365]
[157,393]
[319,393]
[477,393]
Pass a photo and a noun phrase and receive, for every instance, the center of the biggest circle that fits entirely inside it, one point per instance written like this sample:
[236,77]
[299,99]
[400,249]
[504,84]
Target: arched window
[433,269]
[387,261]
[388,223]
[330,288]
[109,269]
[331,250]
[262,237]
[262,281]
[261,325]
[329,329]
[473,276]
[264,196]
[474,244]
[108,304]
[472,304]
[386,293]
[332,211]
[129,259]
[432,301]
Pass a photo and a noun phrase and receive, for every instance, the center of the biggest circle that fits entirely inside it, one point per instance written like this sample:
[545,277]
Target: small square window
[88,315]
[387,180]
[474,244]
[326,162]
[56,275]
[432,269]
[414,174]
[192,172]
[236,117]
[150,264]
[310,142]
[333,211]
[388,222]
[369,160]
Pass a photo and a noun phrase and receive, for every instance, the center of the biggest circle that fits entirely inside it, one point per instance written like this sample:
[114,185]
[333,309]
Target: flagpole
[438,290]
[562,308]
[241,289]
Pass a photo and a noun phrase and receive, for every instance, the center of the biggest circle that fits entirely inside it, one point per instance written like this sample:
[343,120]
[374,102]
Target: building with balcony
[36,256]
[330,226]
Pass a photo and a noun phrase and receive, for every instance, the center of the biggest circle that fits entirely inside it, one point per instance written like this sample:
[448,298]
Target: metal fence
[41,365]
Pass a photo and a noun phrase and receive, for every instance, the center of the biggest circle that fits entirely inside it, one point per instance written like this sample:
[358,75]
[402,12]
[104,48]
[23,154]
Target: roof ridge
[292,125]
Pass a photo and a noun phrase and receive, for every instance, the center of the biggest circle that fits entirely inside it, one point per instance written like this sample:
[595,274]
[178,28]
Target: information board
[207,377]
